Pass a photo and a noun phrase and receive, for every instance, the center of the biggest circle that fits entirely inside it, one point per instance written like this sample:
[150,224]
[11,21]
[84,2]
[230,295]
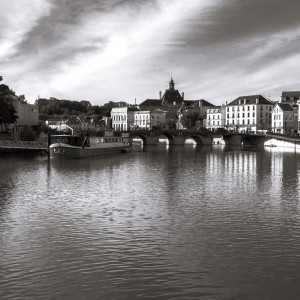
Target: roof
[291,94]
[171,96]
[198,103]
[151,102]
[285,107]
[250,100]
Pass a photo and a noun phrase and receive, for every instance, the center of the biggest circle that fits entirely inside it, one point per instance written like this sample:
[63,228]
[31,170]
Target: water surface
[163,223]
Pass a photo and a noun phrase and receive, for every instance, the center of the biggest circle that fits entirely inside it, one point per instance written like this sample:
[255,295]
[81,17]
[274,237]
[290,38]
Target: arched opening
[138,142]
[163,140]
[218,140]
[193,140]
[190,142]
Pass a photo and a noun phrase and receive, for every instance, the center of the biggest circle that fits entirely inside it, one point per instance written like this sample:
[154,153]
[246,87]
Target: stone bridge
[205,137]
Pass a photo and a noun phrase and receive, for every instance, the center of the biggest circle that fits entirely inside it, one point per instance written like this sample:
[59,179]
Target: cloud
[119,50]
[17,21]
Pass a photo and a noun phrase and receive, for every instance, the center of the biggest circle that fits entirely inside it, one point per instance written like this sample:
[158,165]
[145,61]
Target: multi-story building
[292,97]
[249,114]
[216,117]
[285,118]
[149,119]
[122,118]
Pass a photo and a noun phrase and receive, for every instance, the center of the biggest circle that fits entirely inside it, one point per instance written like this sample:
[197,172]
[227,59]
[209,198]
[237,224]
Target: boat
[81,146]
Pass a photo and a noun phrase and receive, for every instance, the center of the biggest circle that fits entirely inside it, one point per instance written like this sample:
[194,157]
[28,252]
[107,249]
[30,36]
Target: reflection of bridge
[203,137]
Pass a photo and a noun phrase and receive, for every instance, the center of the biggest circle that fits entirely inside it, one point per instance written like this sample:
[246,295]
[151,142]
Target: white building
[215,117]
[122,118]
[285,118]
[249,114]
[149,119]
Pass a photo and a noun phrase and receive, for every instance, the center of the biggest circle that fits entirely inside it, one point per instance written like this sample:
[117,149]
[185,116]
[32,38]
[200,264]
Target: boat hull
[61,151]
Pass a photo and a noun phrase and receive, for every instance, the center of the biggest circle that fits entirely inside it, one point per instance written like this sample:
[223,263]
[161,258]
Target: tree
[190,119]
[7,111]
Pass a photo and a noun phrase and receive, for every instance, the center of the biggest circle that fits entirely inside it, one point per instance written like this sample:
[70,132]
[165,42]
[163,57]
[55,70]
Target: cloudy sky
[122,50]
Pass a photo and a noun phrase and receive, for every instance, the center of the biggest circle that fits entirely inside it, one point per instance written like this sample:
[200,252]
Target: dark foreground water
[167,223]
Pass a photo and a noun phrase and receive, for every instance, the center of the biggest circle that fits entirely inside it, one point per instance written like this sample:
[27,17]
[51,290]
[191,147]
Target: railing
[23,144]
[278,136]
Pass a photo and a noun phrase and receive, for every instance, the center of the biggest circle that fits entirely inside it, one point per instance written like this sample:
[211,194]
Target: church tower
[171,85]
[171,97]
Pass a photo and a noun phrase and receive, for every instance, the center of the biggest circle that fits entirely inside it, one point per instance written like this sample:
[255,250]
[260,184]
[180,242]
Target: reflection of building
[171,101]
[216,117]
[249,113]
[122,118]
[285,118]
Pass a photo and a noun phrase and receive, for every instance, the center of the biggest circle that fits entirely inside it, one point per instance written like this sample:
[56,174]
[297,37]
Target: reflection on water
[162,222]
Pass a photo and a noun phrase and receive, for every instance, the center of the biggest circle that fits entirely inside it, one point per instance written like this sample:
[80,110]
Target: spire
[171,84]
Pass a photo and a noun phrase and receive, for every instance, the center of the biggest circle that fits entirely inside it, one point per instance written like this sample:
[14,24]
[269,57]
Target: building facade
[249,114]
[216,117]
[285,118]
[150,119]
[122,118]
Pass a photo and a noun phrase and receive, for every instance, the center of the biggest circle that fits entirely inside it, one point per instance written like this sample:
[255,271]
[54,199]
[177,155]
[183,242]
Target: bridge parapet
[9,144]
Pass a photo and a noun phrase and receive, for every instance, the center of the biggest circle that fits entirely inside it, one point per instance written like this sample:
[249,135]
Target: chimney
[182,95]
[257,100]
[226,103]
[159,94]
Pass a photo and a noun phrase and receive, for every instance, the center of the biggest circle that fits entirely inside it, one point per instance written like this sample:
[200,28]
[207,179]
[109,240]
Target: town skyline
[128,50]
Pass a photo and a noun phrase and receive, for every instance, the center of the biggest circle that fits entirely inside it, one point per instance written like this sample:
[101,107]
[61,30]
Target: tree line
[52,107]
[64,109]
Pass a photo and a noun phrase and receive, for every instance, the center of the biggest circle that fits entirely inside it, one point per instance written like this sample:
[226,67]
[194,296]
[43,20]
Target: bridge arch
[146,139]
[197,138]
[175,137]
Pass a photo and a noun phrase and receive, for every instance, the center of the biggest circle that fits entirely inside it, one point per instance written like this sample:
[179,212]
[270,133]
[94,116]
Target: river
[160,223]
